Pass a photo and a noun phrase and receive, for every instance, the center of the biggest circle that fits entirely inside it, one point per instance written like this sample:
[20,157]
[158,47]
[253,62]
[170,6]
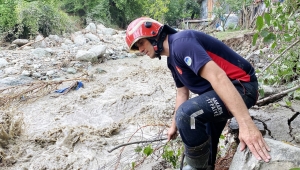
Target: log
[275,97]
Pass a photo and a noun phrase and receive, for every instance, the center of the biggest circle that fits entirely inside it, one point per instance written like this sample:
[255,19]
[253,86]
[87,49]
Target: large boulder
[283,156]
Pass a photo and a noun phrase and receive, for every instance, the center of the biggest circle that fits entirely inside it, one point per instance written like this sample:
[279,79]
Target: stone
[83,55]
[20,42]
[3,62]
[282,155]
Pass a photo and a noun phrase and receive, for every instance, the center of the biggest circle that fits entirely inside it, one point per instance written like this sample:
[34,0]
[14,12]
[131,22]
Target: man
[225,82]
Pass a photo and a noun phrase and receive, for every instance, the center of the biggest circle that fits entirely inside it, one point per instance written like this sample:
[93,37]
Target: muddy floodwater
[129,100]
[132,99]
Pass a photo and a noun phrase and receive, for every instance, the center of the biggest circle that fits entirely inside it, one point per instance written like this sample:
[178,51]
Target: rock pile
[58,58]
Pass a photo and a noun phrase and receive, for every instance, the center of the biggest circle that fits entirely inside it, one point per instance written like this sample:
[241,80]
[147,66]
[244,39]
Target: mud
[75,130]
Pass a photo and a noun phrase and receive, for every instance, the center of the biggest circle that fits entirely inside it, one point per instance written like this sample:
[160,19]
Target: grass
[230,34]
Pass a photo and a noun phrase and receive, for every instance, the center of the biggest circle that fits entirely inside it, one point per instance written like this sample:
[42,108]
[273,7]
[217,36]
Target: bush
[8,17]
[27,19]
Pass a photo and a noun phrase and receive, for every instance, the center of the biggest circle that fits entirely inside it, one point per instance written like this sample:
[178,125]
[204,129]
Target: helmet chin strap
[158,45]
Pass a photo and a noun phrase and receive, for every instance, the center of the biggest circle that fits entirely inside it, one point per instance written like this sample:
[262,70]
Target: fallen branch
[275,97]
[138,142]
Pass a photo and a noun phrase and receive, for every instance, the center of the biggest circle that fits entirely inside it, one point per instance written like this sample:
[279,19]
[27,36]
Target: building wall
[207,8]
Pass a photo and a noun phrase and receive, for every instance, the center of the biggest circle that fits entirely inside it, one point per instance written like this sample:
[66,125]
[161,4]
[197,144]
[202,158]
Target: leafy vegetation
[279,29]
[172,155]
[26,18]
[23,19]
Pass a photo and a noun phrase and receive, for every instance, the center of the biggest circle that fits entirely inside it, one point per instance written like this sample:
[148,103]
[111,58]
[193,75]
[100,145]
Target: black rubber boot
[197,157]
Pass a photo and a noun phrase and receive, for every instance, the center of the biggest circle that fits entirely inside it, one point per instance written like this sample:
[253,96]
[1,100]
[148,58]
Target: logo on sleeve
[188,60]
[179,70]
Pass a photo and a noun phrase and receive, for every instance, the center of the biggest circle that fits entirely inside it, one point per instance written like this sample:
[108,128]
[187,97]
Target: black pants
[206,115]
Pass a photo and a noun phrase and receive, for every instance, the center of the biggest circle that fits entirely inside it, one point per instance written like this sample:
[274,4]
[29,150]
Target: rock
[11,70]
[92,28]
[13,81]
[41,52]
[3,62]
[282,156]
[83,55]
[275,122]
[234,127]
[92,37]
[98,50]
[71,70]
[55,39]
[295,127]
[26,73]
[107,31]
[39,42]
[268,90]
[79,39]
[68,41]
[12,47]
[131,55]
[20,42]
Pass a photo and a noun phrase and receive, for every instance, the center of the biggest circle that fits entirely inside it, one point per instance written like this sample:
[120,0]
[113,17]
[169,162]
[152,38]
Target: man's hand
[250,136]
[172,133]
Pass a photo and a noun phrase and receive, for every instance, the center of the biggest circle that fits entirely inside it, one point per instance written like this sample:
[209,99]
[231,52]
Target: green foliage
[132,165]
[21,18]
[295,168]
[138,149]
[148,150]
[8,17]
[279,28]
[172,156]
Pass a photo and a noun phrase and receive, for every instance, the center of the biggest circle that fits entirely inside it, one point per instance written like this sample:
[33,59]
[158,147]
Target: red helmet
[143,27]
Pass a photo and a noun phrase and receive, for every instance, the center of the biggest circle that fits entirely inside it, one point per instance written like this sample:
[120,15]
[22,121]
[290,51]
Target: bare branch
[277,96]
[137,142]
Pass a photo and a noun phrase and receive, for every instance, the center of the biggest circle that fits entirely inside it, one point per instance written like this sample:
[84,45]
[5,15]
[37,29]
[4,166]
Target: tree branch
[280,55]
[145,141]
[277,96]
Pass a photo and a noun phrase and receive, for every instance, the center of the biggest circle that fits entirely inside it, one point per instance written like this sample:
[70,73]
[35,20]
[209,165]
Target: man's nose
[141,49]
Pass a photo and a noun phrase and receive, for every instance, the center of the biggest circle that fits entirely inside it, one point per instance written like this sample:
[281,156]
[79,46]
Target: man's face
[145,47]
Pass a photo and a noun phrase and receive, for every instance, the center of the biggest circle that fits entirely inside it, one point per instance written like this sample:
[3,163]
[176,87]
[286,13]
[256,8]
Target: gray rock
[39,42]
[11,70]
[79,39]
[13,81]
[86,56]
[131,55]
[91,28]
[107,31]
[276,122]
[98,50]
[20,42]
[41,52]
[92,37]
[3,62]
[50,73]
[36,75]
[68,41]
[26,73]
[71,70]
[12,47]
[55,38]
[295,127]
[268,90]
[283,156]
